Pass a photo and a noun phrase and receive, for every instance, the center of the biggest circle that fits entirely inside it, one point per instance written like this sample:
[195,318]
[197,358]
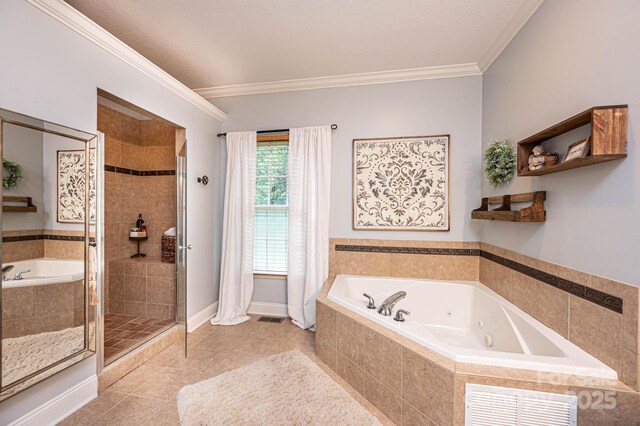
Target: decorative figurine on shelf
[536,160]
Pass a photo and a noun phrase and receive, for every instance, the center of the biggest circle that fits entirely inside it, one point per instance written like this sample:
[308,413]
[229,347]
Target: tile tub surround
[599,329]
[43,308]
[414,385]
[604,313]
[36,243]
[143,287]
[406,259]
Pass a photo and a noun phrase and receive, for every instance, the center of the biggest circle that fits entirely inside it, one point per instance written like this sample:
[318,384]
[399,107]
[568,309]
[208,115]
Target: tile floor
[147,395]
[124,332]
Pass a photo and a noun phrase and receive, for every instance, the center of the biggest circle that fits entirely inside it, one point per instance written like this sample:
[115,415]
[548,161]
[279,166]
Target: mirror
[49,294]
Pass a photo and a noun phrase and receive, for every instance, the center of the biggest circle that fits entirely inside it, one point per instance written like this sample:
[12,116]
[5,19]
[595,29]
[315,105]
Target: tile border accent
[592,295]
[408,250]
[125,171]
[34,237]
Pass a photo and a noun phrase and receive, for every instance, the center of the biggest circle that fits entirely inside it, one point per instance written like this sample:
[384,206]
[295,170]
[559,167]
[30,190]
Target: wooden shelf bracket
[534,213]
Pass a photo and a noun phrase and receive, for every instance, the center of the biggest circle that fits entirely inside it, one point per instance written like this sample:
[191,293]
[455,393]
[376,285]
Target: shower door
[181,241]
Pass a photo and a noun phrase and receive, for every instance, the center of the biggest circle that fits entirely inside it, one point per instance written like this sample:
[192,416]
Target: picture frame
[401,183]
[70,181]
[577,150]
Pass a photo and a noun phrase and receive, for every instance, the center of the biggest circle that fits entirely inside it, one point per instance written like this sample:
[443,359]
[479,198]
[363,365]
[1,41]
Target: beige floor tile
[134,411]
[133,380]
[148,394]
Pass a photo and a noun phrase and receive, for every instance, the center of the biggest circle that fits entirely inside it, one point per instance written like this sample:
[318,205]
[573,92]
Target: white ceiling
[213,43]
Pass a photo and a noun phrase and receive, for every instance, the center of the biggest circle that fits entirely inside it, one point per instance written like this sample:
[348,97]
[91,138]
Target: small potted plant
[500,162]
[551,159]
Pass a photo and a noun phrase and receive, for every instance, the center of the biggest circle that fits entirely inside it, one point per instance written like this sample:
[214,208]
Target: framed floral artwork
[401,184]
[71,186]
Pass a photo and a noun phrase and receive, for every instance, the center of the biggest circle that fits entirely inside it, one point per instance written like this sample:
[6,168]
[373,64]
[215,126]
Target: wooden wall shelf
[609,126]
[534,213]
[28,208]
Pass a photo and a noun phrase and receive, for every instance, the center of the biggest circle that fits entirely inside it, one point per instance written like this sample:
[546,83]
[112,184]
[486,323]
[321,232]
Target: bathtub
[468,323]
[44,271]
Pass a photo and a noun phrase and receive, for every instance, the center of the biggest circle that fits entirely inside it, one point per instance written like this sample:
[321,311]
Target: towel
[93,276]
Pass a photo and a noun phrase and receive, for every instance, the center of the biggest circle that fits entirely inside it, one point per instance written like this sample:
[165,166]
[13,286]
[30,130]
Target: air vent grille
[275,320]
[498,406]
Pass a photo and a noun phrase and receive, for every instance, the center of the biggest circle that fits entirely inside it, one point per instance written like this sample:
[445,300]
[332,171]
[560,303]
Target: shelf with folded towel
[28,208]
[534,213]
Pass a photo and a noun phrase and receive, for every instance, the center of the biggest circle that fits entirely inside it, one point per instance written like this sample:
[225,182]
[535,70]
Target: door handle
[188,247]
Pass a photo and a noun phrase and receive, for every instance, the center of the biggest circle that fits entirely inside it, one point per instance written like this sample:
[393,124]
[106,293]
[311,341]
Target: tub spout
[6,269]
[387,306]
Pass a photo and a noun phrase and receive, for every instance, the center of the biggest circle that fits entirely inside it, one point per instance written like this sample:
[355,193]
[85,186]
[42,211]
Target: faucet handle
[18,275]
[400,315]
[372,303]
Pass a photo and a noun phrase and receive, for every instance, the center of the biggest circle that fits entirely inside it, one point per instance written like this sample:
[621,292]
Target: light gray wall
[24,146]
[571,55]
[54,75]
[431,107]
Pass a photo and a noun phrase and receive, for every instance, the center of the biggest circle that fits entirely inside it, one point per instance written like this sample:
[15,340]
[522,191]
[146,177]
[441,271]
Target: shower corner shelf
[534,213]
[28,208]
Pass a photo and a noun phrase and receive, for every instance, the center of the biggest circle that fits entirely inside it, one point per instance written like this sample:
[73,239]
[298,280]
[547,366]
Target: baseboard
[201,317]
[62,406]
[272,309]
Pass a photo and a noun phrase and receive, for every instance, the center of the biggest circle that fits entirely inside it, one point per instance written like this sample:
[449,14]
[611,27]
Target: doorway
[144,278]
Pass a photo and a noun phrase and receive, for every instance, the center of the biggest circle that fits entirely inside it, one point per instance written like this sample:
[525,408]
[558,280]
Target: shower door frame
[181,234]
[181,237]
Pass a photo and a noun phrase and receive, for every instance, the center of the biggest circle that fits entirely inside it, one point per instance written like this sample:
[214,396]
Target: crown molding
[427,73]
[79,23]
[521,17]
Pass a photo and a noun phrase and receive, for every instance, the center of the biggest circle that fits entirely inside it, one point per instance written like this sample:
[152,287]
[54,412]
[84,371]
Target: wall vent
[498,406]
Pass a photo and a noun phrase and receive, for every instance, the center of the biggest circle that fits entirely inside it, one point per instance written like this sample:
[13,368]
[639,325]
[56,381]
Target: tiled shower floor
[124,332]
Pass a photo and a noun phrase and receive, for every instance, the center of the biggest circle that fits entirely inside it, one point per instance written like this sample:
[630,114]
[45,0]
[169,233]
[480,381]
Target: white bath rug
[284,389]
[28,354]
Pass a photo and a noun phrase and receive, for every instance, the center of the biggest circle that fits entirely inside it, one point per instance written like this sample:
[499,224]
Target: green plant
[15,174]
[500,162]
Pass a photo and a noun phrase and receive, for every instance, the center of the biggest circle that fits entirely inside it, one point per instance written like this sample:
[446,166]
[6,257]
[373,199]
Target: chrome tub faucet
[19,276]
[6,269]
[387,306]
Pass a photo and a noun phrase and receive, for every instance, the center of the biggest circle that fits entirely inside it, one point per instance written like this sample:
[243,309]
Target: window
[272,210]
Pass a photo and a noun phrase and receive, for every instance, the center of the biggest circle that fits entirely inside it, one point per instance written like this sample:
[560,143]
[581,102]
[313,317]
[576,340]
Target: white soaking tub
[44,271]
[469,323]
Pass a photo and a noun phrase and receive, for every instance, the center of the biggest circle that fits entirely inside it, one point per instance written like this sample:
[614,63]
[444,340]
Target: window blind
[270,249]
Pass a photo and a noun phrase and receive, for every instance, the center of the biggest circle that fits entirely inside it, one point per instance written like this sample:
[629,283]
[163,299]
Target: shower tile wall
[139,145]
[142,287]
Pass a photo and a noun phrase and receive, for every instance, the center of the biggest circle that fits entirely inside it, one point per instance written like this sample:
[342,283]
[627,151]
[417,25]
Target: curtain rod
[333,127]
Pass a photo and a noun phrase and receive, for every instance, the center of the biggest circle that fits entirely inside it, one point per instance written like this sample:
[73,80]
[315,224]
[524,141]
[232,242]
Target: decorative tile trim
[125,171]
[592,295]
[44,237]
[409,250]
[600,298]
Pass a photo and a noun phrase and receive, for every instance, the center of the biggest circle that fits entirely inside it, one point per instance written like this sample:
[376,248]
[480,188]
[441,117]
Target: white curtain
[236,277]
[309,189]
